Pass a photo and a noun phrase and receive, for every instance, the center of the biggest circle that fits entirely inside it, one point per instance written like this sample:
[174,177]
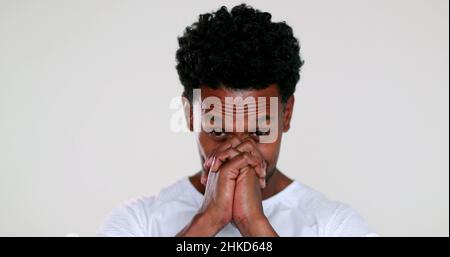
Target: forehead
[239,107]
[223,92]
[241,101]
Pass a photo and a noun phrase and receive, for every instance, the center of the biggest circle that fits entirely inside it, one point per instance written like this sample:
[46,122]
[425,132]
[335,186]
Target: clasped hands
[237,195]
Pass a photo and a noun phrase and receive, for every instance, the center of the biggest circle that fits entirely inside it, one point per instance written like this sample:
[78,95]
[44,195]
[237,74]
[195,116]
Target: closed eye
[262,133]
[217,133]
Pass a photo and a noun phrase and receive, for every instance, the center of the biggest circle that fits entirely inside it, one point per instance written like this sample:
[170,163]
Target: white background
[85,88]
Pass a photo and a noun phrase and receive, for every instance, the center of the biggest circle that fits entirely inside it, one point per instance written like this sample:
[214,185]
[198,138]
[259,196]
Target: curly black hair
[239,49]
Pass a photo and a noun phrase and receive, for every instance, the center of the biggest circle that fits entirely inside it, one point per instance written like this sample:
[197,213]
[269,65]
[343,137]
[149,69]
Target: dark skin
[248,172]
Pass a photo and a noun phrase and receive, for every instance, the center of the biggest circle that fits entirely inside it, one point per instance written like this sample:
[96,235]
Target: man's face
[267,121]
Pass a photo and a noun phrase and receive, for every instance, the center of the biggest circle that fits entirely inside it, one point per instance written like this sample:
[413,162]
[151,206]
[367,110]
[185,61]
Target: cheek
[269,153]
[206,144]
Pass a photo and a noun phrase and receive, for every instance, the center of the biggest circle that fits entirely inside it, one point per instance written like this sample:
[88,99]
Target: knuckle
[249,141]
[234,140]
[220,156]
[246,143]
[247,156]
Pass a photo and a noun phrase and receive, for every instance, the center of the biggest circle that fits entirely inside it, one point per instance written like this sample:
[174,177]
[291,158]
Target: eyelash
[261,133]
[217,133]
[220,134]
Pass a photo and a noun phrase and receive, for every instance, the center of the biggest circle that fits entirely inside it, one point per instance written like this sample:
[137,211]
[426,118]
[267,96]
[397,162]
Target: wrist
[203,224]
[259,225]
[212,219]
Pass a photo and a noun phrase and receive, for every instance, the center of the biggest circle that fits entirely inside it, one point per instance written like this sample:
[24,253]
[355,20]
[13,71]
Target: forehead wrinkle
[228,113]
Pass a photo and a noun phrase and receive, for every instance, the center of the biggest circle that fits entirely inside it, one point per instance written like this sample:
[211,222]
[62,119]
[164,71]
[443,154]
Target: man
[238,54]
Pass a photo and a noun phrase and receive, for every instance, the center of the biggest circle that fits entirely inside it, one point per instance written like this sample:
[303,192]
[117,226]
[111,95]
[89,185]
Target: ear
[287,113]
[187,107]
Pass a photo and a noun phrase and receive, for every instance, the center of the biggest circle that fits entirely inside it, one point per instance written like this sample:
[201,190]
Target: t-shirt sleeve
[347,222]
[127,220]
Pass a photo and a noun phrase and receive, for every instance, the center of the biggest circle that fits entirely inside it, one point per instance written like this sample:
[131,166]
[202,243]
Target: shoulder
[132,217]
[331,217]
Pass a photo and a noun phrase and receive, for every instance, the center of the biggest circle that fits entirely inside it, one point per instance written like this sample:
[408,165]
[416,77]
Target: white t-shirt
[297,210]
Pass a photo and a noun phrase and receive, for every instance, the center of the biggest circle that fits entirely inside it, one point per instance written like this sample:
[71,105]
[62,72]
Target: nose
[241,135]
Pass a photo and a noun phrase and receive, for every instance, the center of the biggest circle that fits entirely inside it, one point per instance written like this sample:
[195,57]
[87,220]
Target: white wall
[84,109]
